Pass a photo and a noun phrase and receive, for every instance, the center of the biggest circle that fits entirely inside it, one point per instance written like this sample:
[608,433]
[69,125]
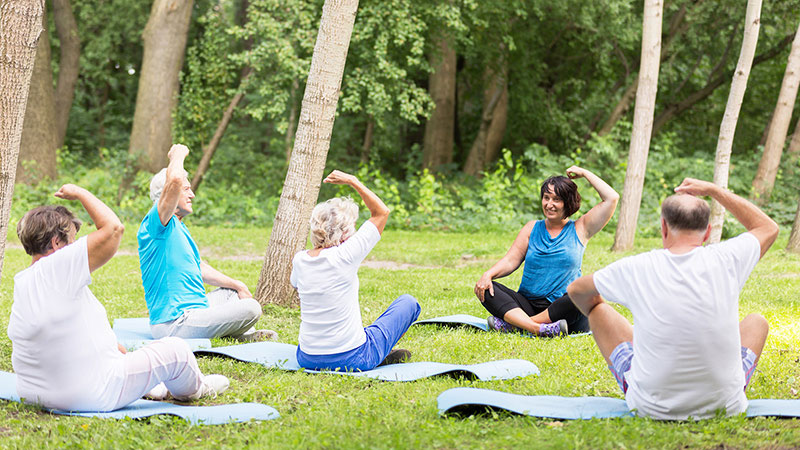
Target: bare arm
[214,277]
[748,214]
[170,195]
[379,212]
[593,221]
[507,264]
[584,295]
[104,242]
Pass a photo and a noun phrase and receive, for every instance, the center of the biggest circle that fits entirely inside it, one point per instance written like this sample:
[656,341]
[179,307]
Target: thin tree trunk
[727,129]
[37,151]
[208,151]
[301,187]
[481,150]
[764,180]
[164,39]
[794,238]
[642,125]
[437,148]
[620,108]
[289,139]
[366,146]
[21,22]
[70,44]
[794,145]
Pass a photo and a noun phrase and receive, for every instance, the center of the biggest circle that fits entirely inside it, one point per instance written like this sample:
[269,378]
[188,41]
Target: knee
[756,322]
[252,308]
[411,304]
[178,346]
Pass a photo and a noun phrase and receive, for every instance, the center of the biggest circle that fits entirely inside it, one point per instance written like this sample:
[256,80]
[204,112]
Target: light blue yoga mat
[197,415]
[469,400]
[135,333]
[466,320]
[282,356]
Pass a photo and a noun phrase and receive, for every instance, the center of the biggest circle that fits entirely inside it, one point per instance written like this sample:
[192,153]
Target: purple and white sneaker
[498,324]
[553,329]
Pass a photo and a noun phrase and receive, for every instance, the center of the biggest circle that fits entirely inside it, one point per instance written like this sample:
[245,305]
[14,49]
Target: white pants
[226,315]
[168,360]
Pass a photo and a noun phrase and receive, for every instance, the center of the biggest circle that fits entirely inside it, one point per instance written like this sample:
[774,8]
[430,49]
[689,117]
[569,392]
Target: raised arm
[104,242]
[753,219]
[214,277]
[379,212]
[170,195]
[593,221]
[507,264]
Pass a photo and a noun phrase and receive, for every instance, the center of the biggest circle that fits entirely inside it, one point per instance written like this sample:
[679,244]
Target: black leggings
[505,299]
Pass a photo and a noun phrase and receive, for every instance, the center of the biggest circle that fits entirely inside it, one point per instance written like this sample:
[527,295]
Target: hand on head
[178,151]
[68,192]
[339,177]
[575,172]
[698,188]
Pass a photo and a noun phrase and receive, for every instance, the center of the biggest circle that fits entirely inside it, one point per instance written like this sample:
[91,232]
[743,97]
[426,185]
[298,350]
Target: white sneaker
[259,335]
[213,385]
[159,392]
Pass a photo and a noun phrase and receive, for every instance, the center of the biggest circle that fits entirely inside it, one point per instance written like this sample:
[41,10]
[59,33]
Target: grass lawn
[440,269]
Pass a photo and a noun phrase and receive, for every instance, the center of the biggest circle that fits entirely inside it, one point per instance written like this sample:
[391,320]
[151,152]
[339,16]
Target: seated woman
[64,352]
[331,332]
[553,251]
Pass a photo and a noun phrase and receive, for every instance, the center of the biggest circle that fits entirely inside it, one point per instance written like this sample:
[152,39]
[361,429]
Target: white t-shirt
[328,288]
[64,352]
[686,344]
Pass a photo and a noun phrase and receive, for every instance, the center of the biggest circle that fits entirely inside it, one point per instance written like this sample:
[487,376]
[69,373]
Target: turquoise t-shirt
[551,263]
[170,264]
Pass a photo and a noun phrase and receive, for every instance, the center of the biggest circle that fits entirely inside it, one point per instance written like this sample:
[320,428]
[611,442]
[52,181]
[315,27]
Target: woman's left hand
[576,172]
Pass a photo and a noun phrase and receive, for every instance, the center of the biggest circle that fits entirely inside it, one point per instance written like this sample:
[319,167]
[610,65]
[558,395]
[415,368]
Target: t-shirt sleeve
[743,253]
[69,267]
[153,222]
[358,246]
[613,281]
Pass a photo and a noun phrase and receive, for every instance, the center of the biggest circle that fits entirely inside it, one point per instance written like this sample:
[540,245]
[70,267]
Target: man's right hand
[698,188]
[69,192]
[178,151]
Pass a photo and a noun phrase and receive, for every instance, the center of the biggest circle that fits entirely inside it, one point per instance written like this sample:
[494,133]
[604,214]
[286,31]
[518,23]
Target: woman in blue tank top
[552,250]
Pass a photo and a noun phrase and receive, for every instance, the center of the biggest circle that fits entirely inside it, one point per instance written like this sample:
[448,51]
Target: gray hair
[157,184]
[333,221]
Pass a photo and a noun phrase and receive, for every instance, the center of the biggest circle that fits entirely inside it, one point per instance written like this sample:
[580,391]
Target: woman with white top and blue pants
[326,278]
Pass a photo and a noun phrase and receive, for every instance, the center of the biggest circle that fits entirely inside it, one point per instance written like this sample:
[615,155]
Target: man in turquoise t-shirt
[173,274]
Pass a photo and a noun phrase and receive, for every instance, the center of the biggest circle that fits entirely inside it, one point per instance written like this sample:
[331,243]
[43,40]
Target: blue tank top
[551,263]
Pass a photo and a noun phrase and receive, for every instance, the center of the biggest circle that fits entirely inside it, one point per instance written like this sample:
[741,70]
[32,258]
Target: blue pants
[382,335]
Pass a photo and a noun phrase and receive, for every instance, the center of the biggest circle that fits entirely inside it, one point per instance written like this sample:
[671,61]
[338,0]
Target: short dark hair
[684,216]
[566,190]
[38,227]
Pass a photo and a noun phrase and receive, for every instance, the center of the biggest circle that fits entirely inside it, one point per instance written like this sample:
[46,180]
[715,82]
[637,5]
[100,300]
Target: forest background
[453,111]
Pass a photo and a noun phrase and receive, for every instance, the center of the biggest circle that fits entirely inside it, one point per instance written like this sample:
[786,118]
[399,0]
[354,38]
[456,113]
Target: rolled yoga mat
[282,356]
[471,400]
[135,333]
[197,415]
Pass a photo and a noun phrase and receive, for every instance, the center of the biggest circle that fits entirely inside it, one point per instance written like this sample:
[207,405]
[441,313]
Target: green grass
[328,411]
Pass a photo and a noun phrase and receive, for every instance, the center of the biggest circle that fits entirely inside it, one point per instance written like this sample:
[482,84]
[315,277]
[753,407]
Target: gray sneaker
[554,329]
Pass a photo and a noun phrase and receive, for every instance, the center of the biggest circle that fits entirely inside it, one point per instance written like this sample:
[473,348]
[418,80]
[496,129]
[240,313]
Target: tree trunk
[37,151]
[208,151]
[794,145]
[164,46]
[437,148]
[301,186]
[289,139]
[794,238]
[366,146]
[728,127]
[642,125]
[764,180]
[493,122]
[67,65]
[21,22]
[621,107]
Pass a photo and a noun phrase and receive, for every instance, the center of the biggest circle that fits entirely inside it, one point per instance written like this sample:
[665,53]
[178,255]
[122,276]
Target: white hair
[157,183]
[333,221]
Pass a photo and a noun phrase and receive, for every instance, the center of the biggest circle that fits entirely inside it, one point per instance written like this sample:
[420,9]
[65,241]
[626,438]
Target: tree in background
[301,187]
[642,126]
[727,129]
[794,237]
[437,147]
[22,29]
[764,179]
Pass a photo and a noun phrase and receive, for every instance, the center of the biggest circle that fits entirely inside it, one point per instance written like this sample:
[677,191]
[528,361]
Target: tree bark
[366,146]
[68,61]
[794,145]
[289,138]
[164,39]
[37,151]
[437,148]
[727,129]
[493,122]
[301,186]
[794,237]
[764,180]
[21,22]
[642,125]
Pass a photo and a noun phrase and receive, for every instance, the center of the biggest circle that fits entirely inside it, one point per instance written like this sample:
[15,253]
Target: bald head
[685,212]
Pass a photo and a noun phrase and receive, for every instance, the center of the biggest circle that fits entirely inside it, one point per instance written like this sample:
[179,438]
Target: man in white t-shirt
[64,352]
[692,355]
